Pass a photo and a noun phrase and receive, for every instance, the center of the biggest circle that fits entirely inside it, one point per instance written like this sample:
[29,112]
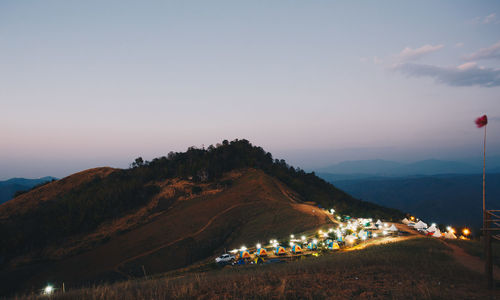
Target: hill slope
[165,214]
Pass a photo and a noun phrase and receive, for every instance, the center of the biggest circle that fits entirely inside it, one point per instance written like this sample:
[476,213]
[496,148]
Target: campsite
[353,233]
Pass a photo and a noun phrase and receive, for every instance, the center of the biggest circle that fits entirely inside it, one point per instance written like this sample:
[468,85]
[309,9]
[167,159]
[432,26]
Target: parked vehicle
[225,258]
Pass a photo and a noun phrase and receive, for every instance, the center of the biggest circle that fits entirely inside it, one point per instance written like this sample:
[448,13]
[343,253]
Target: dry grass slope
[414,269]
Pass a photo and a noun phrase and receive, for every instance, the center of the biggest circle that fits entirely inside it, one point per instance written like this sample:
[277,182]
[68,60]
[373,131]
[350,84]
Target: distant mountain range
[379,167]
[443,199]
[9,187]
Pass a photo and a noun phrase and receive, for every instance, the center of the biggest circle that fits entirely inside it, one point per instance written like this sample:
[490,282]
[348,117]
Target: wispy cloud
[468,74]
[409,54]
[489,19]
[492,52]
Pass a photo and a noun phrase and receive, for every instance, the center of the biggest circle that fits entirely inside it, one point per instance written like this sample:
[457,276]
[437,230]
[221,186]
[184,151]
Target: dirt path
[471,262]
[117,267]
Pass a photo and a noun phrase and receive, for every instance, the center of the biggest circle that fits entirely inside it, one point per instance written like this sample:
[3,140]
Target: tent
[405,221]
[363,234]
[437,233]
[279,251]
[340,238]
[333,246]
[420,225]
[244,254]
[261,252]
[296,249]
[259,260]
[378,223]
[393,228]
[432,228]
[312,246]
[450,235]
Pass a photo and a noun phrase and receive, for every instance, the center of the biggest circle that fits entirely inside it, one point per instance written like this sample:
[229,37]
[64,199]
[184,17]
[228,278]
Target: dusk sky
[99,83]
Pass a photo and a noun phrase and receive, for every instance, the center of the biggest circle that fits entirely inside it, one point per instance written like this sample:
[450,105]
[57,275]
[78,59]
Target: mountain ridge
[163,214]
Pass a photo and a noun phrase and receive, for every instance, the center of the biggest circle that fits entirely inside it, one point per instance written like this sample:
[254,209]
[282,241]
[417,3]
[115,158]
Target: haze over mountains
[9,187]
[379,167]
[446,192]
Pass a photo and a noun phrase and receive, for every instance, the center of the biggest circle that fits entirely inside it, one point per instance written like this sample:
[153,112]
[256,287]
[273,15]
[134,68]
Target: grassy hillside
[414,269]
[164,214]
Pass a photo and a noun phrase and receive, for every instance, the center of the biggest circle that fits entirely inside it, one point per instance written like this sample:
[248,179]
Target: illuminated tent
[296,249]
[340,238]
[393,228]
[378,223]
[312,246]
[261,252]
[405,221]
[432,228]
[279,251]
[437,233]
[420,225]
[450,235]
[244,254]
[333,246]
[362,233]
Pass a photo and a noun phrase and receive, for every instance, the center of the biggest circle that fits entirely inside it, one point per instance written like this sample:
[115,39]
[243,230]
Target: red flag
[481,121]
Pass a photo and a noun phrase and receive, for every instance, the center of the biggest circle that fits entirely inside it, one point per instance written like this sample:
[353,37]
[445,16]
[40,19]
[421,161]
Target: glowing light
[363,237]
[315,241]
[375,235]
[292,236]
[466,231]
[291,244]
[320,231]
[303,237]
[332,211]
[258,246]
[243,248]
[384,232]
[48,290]
[433,224]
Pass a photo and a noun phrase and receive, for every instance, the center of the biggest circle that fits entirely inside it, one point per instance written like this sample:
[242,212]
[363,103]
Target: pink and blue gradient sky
[92,83]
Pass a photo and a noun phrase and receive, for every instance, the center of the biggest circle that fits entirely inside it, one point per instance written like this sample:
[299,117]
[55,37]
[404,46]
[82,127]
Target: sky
[99,83]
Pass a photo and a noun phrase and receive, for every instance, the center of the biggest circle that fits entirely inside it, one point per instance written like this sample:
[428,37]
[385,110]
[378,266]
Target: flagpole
[484,169]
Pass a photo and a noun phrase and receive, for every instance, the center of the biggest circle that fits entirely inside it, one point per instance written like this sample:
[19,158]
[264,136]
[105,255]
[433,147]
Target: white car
[225,258]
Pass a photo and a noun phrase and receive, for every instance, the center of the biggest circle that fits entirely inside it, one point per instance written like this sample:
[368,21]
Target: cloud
[459,45]
[468,74]
[489,18]
[409,54]
[377,60]
[492,52]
